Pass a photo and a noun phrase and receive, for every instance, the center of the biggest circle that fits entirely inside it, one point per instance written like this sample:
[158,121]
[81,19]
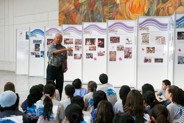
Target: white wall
[20,14]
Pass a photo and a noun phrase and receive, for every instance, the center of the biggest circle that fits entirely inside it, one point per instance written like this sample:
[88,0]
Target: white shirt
[118,107]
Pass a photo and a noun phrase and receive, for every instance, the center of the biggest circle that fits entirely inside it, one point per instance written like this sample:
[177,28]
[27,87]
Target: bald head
[58,38]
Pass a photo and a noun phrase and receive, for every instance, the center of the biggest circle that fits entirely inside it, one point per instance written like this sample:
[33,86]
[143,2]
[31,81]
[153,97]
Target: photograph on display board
[180,35]
[49,41]
[120,48]
[159,60]
[147,60]
[145,38]
[27,35]
[101,42]
[92,48]
[68,41]
[101,53]
[128,53]
[37,41]
[160,40]
[77,56]
[90,41]
[89,55]
[128,41]
[37,54]
[78,48]
[70,53]
[180,59]
[112,55]
[78,41]
[41,53]
[150,49]
[37,47]
[114,39]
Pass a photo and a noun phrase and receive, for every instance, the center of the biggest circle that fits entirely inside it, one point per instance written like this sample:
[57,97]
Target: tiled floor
[24,83]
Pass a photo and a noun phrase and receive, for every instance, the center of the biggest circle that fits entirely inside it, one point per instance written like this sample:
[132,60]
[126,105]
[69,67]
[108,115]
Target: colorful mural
[78,11]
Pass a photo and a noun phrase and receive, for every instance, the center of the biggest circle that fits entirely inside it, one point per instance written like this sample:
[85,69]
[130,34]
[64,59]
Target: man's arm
[62,50]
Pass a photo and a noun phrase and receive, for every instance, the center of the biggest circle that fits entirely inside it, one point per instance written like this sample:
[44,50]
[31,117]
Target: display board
[22,59]
[179,51]
[121,54]
[94,51]
[50,32]
[36,56]
[72,37]
[152,64]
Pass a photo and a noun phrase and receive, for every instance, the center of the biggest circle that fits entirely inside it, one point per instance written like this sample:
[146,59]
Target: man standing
[57,62]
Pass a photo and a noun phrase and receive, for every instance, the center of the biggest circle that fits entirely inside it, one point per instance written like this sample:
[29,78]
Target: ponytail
[162,119]
[92,85]
[47,108]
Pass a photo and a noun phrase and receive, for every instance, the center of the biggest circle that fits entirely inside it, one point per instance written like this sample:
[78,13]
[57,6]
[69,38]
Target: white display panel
[36,56]
[22,59]
[121,54]
[50,32]
[72,37]
[94,51]
[179,51]
[152,64]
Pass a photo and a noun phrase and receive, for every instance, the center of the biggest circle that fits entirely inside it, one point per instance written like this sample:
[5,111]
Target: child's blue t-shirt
[80,92]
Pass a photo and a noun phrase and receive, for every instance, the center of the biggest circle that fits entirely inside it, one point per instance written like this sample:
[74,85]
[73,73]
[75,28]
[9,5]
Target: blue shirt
[80,92]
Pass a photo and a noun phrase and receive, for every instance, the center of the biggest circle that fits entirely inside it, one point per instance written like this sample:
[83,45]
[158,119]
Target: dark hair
[166,82]
[134,105]
[69,90]
[48,92]
[35,94]
[147,87]
[13,107]
[98,96]
[177,94]
[78,100]
[51,82]
[92,85]
[123,92]
[160,113]
[103,78]
[9,86]
[77,83]
[105,112]
[73,112]
[150,99]
[123,117]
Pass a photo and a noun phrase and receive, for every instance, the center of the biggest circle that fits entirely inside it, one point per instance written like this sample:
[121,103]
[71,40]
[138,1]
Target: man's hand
[69,49]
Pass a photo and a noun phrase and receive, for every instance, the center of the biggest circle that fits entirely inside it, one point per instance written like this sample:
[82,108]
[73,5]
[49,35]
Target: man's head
[58,38]
[165,84]
[103,78]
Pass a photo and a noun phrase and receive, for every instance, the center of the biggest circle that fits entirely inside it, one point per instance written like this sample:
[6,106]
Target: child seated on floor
[161,97]
[78,88]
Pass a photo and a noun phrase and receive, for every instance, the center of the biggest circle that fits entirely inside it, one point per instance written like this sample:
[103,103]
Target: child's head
[123,92]
[35,94]
[103,78]
[77,83]
[149,98]
[147,87]
[175,94]
[52,83]
[92,86]
[98,96]
[69,90]
[73,113]
[9,86]
[123,117]
[78,100]
[105,112]
[159,114]
[165,84]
